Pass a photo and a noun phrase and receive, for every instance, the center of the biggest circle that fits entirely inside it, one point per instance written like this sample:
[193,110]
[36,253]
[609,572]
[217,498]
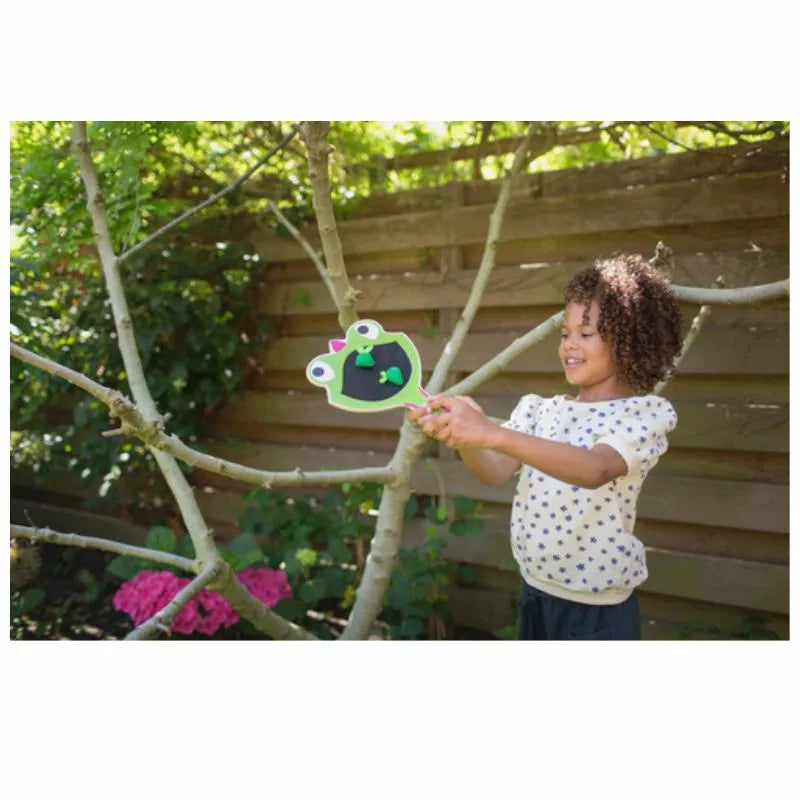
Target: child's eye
[587,335]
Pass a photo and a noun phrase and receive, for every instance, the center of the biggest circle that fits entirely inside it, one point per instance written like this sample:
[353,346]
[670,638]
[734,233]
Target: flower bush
[148,592]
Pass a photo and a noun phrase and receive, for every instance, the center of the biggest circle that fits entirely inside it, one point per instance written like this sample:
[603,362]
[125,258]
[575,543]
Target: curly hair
[639,316]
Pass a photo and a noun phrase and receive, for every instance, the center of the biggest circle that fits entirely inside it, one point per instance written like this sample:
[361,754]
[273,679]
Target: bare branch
[36,534]
[345,296]
[162,620]
[461,327]
[389,525]
[579,134]
[254,611]
[134,424]
[727,297]
[694,330]
[675,141]
[213,199]
[721,128]
[690,294]
[60,371]
[201,534]
[499,362]
[306,245]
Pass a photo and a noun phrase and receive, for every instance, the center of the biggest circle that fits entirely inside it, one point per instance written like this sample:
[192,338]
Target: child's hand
[461,423]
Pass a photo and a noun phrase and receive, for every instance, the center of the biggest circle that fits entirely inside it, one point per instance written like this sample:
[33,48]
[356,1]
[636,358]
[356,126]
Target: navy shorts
[542,616]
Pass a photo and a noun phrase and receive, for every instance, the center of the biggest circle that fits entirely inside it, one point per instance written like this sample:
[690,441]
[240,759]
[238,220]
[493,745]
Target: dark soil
[78,598]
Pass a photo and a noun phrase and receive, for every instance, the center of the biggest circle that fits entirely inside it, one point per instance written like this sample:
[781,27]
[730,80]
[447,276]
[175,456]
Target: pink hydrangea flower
[148,592]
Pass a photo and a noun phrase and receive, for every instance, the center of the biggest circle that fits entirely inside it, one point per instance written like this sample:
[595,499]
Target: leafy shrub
[321,542]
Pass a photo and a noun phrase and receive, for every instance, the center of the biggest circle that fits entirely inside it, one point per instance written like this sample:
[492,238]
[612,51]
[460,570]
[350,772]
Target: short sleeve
[639,432]
[523,417]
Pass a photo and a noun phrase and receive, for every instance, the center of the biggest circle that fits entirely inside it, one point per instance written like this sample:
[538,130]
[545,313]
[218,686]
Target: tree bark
[391,513]
[314,134]
[201,535]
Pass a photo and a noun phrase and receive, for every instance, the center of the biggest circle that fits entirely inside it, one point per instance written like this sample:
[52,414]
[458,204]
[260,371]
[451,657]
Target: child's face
[586,357]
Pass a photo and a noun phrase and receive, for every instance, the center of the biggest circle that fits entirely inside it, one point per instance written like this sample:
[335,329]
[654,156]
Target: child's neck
[599,394]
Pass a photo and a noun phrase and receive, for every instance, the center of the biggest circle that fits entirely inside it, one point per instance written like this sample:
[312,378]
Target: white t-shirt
[576,543]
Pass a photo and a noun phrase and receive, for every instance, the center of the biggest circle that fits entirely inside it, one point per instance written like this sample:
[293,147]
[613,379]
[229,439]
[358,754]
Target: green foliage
[193,293]
[73,580]
[193,303]
[321,544]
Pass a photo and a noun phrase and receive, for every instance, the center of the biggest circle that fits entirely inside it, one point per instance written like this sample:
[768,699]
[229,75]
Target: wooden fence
[714,514]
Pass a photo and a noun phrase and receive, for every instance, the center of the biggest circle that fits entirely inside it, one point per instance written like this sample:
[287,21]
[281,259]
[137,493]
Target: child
[583,458]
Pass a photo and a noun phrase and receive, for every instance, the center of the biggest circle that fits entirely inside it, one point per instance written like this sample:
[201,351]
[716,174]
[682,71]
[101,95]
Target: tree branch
[499,362]
[213,199]
[201,535]
[162,620]
[345,296]
[388,532]
[694,330]
[461,327]
[389,526]
[575,135]
[689,294]
[152,434]
[36,534]
[728,297]
[306,245]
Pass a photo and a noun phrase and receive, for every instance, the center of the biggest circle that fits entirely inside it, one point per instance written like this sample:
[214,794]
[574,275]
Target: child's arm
[464,428]
[486,465]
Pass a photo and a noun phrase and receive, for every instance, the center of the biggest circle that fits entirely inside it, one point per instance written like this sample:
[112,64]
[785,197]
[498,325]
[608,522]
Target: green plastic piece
[365,360]
[392,375]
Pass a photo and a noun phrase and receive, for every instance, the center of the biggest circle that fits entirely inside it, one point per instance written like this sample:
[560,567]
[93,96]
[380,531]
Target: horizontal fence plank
[491,548]
[526,283]
[768,237]
[735,504]
[718,350]
[726,581]
[760,157]
[735,389]
[74,520]
[727,198]
[698,619]
[755,427]
[482,609]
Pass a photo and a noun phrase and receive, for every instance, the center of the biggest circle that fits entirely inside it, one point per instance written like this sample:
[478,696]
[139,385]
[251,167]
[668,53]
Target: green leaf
[464,505]
[30,599]
[186,547]
[244,544]
[313,591]
[126,567]
[410,628]
[436,514]
[290,608]
[247,560]
[161,538]
[306,556]
[466,575]
[412,507]
[466,527]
